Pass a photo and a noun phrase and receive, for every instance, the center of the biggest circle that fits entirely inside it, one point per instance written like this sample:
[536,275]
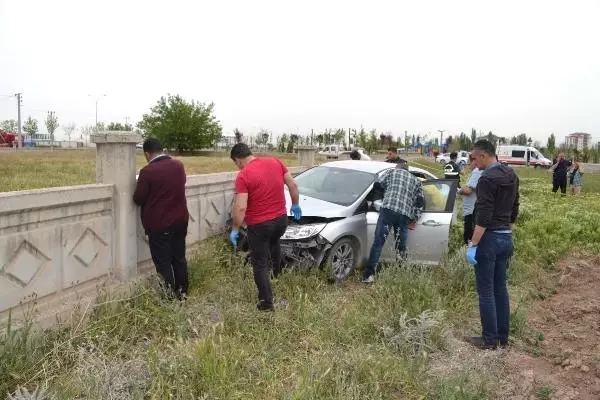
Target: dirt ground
[562,358]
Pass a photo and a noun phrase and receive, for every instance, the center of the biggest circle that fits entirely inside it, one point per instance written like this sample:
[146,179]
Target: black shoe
[504,344]
[478,342]
[265,306]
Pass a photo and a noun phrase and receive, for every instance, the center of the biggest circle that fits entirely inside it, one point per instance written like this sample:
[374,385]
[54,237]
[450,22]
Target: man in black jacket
[491,245]
[560,166]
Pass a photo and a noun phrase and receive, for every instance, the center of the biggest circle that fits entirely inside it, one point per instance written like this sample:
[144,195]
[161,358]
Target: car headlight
[295,232]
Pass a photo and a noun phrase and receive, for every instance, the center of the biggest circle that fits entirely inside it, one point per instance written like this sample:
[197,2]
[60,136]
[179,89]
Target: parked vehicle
[521,155]
[332,151]
[7,139]
[339,214]
[462,160]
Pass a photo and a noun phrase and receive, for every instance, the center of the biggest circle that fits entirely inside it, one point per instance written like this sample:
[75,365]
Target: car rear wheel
[342,259]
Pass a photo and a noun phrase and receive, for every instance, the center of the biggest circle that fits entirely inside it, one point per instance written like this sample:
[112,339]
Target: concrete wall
[59,245]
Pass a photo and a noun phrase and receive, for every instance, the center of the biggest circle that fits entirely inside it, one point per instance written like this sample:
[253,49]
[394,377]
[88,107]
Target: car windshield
[335,185]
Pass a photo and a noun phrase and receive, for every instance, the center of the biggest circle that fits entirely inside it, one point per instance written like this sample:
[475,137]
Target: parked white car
[331,151]
[462,159]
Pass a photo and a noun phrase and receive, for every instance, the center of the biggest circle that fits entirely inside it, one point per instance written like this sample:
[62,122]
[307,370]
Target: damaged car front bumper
[301,245]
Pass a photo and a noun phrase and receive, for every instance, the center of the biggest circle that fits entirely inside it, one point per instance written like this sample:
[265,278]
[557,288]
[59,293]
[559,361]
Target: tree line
[190,125]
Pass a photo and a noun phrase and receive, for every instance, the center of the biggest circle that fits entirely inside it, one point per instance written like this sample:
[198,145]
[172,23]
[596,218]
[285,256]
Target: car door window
[438,196]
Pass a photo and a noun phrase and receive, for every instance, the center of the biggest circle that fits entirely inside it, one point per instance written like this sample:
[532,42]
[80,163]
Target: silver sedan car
[339,213]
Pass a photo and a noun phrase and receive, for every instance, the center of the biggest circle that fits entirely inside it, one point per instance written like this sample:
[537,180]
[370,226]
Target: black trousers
[265,251]
[168,253]
[468,228]
[559,182]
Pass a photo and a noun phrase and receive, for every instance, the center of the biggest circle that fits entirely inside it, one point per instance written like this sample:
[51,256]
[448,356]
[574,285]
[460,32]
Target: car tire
[342,259]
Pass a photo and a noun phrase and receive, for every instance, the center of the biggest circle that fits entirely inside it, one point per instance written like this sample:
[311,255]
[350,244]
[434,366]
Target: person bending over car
[402,203]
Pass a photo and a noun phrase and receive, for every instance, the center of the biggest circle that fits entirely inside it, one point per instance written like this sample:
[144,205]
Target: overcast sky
[506,66]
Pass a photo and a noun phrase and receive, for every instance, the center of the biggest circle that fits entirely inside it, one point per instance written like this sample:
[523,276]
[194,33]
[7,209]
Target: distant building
[578,140]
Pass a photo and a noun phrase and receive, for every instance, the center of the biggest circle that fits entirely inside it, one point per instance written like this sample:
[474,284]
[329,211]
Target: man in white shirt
[470,197]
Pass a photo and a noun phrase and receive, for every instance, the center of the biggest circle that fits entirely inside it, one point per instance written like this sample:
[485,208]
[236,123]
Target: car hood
[312,207]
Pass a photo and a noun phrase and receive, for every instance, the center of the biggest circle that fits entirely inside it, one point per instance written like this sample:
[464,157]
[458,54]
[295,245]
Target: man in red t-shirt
[260,201]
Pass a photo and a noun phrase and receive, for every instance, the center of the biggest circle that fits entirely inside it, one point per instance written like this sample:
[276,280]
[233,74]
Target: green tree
[117,126]
[520,139]
[238,135]
[292,143]
[339,136]
[69,129]
[362,138]
[551,145]
[372,141]
[9,125]
[281,142]
[473,135]
[30,127]
[51,124]
[182,125]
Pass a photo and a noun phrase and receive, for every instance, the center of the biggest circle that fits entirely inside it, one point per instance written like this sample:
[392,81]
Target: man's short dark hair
[393,149]
[355,155]
[485,146]
[240,150]
[402,163]
[152,145]
[453,155]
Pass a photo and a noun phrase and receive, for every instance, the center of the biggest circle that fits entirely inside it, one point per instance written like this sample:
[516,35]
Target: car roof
[373,167]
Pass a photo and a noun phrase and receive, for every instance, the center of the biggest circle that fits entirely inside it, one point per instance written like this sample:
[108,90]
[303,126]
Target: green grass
[325,341]
[33,169]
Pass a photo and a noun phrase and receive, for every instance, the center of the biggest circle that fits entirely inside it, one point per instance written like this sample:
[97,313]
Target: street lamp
[98,98]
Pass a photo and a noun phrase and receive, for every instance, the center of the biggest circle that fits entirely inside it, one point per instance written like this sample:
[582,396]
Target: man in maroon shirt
[260,201]
[160,192]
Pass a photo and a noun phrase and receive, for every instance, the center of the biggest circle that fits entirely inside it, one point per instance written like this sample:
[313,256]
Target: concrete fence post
[115,164]
[306,155]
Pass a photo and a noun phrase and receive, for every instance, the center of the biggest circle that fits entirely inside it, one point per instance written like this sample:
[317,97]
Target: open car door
[428,242]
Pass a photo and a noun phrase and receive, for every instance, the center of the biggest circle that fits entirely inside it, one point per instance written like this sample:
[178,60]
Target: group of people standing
[565,172]
[490,208]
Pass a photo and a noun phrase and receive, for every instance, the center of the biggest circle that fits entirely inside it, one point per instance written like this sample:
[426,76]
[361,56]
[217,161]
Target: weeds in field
[342,341]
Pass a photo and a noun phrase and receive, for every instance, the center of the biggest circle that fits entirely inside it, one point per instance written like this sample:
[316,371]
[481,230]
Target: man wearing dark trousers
[160,192]
[470,196]
[402,205]
[559,174]
[491,246]
[260,201]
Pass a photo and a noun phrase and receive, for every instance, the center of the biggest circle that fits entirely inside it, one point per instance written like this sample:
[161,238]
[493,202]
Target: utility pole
[98,98]
[126,120]
[20,136]
[441,137]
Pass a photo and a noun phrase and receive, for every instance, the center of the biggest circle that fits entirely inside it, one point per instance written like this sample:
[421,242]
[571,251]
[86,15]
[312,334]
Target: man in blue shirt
[470,197]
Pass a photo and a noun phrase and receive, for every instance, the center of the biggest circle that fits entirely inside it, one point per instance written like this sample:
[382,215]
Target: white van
[520,155]
[332,151]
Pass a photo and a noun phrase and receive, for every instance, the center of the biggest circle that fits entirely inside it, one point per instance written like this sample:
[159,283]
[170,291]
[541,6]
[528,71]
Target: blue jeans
[387,220]
[493,253]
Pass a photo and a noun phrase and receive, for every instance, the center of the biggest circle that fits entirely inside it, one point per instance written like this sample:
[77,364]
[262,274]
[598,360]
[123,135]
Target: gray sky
[505,66]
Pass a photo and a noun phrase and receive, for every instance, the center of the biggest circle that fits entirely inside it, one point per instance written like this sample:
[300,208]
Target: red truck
[7,139]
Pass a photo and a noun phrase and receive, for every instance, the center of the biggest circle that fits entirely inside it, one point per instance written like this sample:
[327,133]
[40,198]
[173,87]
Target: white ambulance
[522,155]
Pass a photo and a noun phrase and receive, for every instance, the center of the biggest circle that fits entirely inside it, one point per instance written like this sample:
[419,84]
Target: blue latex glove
[233,237]
[296,212]
[471,252]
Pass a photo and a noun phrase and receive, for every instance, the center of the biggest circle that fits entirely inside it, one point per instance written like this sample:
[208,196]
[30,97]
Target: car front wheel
[342,258]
